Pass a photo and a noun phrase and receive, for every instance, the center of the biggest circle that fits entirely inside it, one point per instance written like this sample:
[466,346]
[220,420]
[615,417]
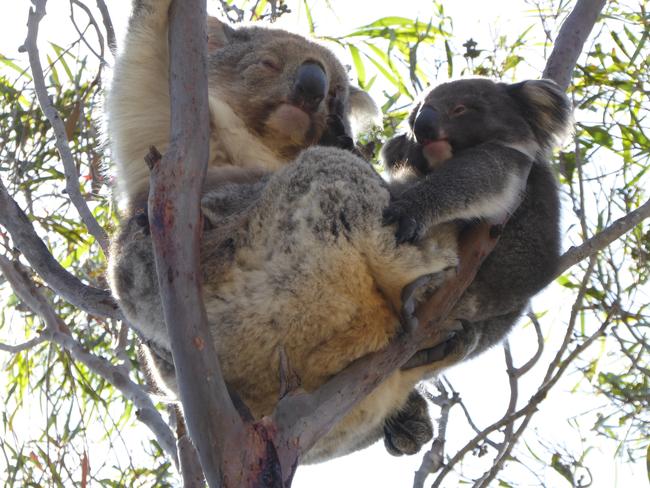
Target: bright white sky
[482,382]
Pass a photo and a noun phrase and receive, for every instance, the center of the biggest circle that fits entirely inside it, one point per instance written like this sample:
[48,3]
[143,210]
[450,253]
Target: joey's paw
[409,429]
[141,218]
[335,134]
[410,227]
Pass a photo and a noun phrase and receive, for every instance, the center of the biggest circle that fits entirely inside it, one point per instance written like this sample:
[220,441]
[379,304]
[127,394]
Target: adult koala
[279,243]
[272,93]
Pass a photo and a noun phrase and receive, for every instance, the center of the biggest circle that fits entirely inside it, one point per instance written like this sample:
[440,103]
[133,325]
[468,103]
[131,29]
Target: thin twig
[108,25]
[604,238]
[434,458]
[522,370]
[15,349]
[70,170]
[91,20]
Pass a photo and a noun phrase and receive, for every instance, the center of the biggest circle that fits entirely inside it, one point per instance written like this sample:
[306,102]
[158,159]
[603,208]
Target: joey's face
[281,85]
[465,113]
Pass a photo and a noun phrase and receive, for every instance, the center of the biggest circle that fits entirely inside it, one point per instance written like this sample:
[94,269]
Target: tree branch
[58,332]
[108,25]
[92,300]
[71,175]
[175,221]
[303,418]
[604,238]
[15,349]
[570,41]
[434,458]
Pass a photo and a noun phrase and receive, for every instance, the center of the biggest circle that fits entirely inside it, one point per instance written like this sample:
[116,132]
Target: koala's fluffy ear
[363,111]
[395,151]
[219,34]
[546,107]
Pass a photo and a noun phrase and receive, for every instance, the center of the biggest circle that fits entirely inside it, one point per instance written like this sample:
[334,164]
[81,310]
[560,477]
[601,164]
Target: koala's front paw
[141,218]
[335,134]
[410,428]
[410,227]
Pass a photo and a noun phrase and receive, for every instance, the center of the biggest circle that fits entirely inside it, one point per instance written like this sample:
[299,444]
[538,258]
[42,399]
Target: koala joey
[463,158]
[271,94]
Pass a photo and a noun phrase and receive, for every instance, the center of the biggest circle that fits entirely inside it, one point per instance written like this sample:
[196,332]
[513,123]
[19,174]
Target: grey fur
[273,278]
[297,259]
[498,117]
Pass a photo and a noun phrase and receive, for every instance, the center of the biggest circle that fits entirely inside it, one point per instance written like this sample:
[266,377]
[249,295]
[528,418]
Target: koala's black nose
[310,86]
[427,125]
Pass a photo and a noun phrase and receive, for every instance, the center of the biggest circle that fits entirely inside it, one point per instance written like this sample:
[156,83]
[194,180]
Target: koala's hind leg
[408,429]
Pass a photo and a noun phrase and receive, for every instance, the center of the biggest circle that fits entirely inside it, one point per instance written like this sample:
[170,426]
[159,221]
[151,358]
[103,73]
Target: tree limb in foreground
[214,424]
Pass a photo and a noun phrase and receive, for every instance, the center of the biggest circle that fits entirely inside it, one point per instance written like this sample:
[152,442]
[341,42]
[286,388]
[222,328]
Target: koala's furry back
[307,267]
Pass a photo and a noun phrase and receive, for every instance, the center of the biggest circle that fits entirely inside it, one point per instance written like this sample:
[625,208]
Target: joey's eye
[458,110]
[271,63]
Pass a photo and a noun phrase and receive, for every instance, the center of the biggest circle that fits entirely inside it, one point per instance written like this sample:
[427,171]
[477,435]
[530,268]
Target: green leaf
[61,53]
[563,469]
[310,20]
[599,135]
[450,60]
[358,65]
[9,62]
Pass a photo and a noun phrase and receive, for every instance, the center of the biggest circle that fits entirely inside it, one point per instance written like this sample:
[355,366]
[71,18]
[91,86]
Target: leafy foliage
[55,409]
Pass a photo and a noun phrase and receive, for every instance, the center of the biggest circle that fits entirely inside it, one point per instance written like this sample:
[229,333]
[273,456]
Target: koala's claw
[409,229]
[410,428]
[409,321]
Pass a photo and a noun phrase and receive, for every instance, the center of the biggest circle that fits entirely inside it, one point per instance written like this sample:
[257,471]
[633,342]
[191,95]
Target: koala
[271,94]
[462,159]
[285,224]
[272,284]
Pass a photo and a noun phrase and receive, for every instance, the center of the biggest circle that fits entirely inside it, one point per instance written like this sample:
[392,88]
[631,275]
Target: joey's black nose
[310,86]
[427,125]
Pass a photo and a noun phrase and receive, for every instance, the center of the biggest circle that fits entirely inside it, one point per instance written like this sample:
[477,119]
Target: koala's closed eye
[458,110]
[271,63]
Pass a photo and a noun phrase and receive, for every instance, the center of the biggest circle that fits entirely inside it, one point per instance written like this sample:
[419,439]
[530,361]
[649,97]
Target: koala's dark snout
[426,126]
[310,86]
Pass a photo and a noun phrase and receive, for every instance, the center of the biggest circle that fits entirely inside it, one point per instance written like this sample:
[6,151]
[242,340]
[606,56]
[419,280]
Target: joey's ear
[413,115]
[546,107]
[363,111]
[395,151]
[219,34]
